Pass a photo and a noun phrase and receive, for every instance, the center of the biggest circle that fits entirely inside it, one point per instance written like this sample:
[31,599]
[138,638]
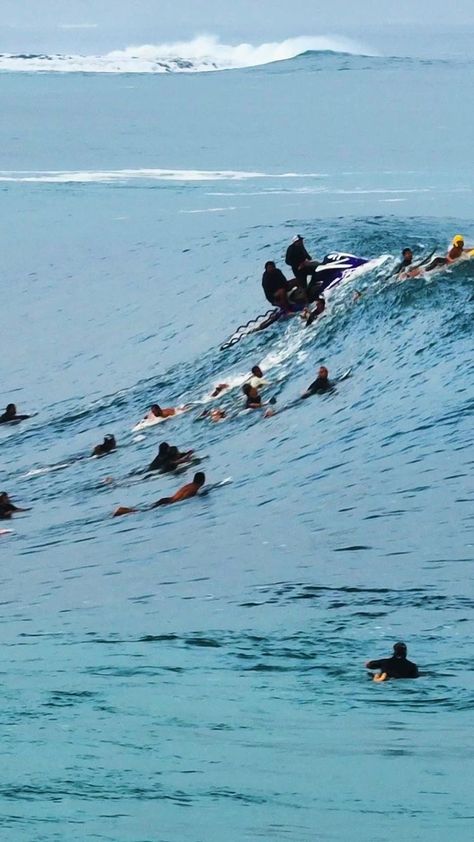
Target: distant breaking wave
[111,176]
[204,53]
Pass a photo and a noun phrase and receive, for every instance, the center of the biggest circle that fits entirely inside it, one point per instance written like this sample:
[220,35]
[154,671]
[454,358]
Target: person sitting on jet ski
[300,261]
[274,284]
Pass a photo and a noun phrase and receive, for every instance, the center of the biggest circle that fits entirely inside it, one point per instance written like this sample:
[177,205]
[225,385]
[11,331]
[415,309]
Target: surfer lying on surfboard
[7,507]
[184,493]
[455,252]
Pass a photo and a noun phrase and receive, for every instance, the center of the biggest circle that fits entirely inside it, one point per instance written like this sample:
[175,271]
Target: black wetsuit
[320,385]
[395,667]
[252,403]
[5,419]
[296,254]
[107,446]
[272,282]
[6,510]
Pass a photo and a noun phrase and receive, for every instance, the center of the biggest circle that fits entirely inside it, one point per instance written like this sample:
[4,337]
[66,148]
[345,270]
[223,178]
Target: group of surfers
[169,457]
[306,288]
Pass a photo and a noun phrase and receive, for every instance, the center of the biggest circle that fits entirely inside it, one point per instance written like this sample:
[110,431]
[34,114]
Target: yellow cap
[458,239]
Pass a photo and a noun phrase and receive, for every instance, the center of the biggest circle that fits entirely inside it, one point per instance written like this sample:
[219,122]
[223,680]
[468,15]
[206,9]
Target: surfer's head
[257,371]
[400,650]
[323,373]
[199,479]
[407,255]
[458,241]
[163,448]
[270,266]
[11,410]
[156,410]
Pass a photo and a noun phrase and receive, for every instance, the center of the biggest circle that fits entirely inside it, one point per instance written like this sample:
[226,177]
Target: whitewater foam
[204,53]
[108,176]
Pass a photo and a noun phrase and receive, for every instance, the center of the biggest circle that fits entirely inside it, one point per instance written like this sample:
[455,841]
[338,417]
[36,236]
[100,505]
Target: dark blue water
[198,672]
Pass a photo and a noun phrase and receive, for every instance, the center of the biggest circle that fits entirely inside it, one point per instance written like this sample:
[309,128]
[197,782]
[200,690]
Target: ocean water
[198,672]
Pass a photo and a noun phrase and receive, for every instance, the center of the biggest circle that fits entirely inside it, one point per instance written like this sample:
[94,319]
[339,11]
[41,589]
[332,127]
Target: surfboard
[145,423]
[345,375]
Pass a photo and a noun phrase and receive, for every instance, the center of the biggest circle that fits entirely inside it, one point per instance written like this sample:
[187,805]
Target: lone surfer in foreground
[398,666]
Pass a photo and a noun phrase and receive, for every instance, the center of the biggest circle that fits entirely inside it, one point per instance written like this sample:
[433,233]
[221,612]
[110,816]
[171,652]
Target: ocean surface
[197,672]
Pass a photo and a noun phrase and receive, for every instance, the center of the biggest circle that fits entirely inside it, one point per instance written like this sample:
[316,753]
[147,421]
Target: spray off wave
[203,53]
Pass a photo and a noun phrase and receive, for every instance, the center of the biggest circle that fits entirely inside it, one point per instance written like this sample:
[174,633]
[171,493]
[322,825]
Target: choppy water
[198,671]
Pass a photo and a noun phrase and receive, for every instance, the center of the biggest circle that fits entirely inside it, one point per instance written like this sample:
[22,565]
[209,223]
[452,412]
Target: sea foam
[203,53]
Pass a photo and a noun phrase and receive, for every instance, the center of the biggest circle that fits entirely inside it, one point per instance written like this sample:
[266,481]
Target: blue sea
[197,672]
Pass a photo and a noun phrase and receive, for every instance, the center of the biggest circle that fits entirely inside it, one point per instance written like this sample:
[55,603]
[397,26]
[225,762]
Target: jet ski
[333,269]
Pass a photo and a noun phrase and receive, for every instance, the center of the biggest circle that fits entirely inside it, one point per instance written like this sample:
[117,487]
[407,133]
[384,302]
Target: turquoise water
[198,672]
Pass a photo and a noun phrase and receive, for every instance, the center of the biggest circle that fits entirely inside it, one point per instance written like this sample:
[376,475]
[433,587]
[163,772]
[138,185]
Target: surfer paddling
[184,493]
[454,253]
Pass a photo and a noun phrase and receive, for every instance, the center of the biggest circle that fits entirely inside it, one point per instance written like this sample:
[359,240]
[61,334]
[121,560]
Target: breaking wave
[203,53]
[154,174]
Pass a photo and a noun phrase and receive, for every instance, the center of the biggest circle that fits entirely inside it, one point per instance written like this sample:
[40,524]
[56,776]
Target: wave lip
[155,174]
[204,53]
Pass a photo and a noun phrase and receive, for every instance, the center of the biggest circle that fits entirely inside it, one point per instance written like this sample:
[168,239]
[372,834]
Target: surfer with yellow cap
[456,251]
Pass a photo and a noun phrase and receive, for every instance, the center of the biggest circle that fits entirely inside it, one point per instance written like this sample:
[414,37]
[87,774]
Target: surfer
[184,493]
[321,385]
[10,414]
[157,412]
[7,507]
[213,415]
[168,458]
[274,283]
[407,260]
[257,381]
[107,446]
[300,261]
[456,251]
[398,666]
[254,401]
[221,387]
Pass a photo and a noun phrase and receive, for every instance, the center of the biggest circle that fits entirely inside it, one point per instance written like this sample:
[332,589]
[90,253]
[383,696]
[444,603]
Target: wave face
[204,53]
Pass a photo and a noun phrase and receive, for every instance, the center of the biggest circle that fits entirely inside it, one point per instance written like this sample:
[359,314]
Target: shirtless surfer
[184,493]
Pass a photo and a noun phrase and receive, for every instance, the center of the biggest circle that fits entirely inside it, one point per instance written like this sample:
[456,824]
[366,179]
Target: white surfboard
[146,422]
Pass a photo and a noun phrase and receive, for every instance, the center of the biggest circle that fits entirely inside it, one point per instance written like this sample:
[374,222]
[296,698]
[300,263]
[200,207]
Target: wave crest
[203,53]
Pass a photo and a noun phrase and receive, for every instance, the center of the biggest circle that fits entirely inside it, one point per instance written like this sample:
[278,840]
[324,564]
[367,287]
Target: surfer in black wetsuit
[168,458]
[407,260]
[106,446]
[275,285]
[398,666]
[10,415]
[7,507]
[321,385]
[300,261]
